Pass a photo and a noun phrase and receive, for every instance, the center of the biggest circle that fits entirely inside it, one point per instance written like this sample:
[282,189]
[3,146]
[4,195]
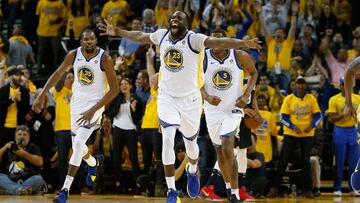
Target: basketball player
[93,73]
[224,74]
[349,110]
[179,100]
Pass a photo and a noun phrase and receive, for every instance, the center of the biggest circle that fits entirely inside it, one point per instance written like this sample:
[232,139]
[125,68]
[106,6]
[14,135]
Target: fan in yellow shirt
[116,12]
[78,16]
[51,14]
[266,130]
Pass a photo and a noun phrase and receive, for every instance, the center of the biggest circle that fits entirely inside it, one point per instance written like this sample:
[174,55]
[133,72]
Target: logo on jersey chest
[173,59]
[85,75]
[222,79]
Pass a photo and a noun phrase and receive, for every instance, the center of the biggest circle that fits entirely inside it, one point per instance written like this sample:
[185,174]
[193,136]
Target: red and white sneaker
[208,193]
[244,195]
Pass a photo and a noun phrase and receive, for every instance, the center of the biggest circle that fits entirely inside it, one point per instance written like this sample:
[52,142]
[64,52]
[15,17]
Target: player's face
[88,42]
[178,23]
[217,35]
[125,86]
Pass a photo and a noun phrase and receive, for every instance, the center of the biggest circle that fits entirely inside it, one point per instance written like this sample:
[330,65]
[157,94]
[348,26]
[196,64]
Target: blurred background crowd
[314,39]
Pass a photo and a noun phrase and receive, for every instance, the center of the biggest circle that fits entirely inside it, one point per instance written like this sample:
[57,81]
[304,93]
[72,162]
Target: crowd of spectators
[307,46]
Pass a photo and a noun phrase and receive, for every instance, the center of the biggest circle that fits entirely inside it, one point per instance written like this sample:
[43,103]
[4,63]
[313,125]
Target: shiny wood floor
[326,197]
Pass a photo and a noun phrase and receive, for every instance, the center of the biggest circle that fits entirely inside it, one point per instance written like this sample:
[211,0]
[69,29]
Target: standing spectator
[300,114]
[127,48]
[4,49]
[336,65]
[309,15]
[355,51]
[116,12]
[26,82]
[148,21]
[126,112]
[275,15]
[14,105]
[62,95]
[327,19]
[22,161]
[344,138]
[279,47]
[266,130]
[29,20]
[13,13]
[143,87]
[238,26]
[162,12]
[51,15]
[20,52]
[78,17]
[315,160]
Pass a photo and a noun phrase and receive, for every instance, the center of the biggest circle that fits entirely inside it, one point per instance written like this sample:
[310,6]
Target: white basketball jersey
[179,71]
[90,83]
[223,79]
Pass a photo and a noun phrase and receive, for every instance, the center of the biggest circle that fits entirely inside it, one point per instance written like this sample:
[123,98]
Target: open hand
[85,117]
[108,28]
[253,43]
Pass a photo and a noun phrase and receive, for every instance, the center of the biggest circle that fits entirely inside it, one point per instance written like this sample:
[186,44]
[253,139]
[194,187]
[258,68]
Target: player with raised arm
[179,100]
[93,74]
[349,110]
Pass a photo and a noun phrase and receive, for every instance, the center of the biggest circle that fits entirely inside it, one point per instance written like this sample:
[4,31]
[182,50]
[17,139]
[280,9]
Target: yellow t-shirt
[284,55]
[150,119]
[161,16]
[49,11]
[79,22]
[336,105]
[62,109]
[11,117]
[300,112]
[264,133]
[32,87]
[116,12]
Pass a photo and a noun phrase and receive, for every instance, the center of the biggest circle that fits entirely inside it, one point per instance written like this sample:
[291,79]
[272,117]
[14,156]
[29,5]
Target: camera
[14,147]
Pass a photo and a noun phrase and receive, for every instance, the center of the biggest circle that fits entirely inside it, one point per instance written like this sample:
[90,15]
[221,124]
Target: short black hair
[219,30]
[85,30]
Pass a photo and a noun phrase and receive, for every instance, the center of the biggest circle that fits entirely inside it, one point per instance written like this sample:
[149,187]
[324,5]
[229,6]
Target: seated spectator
[147,182]
[20,52]
[255,180]
[22,160]
[315,160]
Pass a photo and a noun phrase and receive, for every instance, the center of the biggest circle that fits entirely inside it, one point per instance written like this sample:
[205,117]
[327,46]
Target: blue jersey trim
[192,49]
[236,60]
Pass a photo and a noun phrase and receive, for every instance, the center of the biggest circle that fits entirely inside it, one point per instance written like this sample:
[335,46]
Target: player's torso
[223,78]
[90,82]
[179,71]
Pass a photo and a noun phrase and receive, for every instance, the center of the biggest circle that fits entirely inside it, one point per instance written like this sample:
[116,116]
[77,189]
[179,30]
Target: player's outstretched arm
[38,104]
[230,43]
[354,67]
[113,30]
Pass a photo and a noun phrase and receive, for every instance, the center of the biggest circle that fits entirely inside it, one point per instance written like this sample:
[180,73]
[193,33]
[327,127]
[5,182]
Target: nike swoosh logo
[207,194]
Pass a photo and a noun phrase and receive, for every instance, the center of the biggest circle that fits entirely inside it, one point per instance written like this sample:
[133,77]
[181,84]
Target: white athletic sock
[192,168]
[68,182]
[91,161]
[227,185]
[170,181]
[236,193]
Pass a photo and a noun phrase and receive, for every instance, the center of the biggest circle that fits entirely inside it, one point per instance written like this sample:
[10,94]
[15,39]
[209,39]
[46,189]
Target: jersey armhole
[74,56]
[164,37]
[191,48]
[236,60]
[205,63]
[101,61]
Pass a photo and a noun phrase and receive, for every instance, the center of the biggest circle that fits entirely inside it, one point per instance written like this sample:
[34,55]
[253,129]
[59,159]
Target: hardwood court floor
[325,198]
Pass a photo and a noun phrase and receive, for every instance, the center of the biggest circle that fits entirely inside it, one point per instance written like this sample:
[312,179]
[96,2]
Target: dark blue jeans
[36,183]
[64,143]
[206,150]
[151,141]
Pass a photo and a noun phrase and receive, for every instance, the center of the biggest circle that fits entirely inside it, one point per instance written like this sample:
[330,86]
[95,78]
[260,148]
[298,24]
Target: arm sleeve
[316,120]
[285,120]
[249,19]
[197,41]
[156,37]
